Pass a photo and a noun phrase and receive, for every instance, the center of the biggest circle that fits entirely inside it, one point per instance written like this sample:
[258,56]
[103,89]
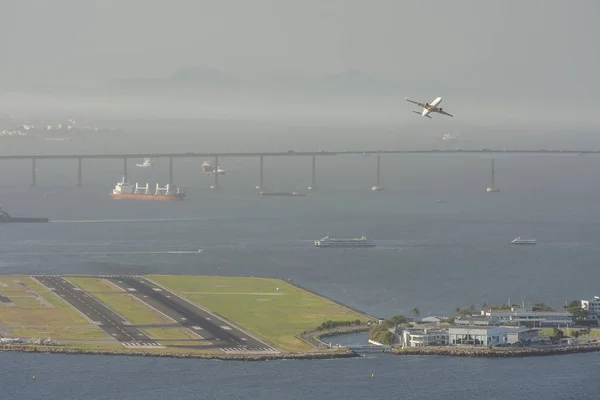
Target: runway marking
[141,345]
[157,289]
[237,293]
[131,289]
[226,327]
[196,327]
[246,350]
[244,339]
[148,281]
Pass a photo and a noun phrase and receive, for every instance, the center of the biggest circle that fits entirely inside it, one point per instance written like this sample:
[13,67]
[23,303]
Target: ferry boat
[125,190]
[354,242]
[519,240]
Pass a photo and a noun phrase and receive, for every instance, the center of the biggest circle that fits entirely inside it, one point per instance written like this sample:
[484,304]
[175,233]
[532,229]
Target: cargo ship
[281,194]
[6,217]
[124,190]
[354,242]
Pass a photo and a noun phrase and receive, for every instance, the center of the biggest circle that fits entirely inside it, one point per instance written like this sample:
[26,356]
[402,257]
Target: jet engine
[426,105]
[440,109]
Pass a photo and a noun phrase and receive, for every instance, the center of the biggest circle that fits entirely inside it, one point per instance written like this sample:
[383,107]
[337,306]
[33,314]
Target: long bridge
[262,155]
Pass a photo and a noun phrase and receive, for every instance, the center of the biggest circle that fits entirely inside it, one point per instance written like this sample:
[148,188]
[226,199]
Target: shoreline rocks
[223,357]
[494,352]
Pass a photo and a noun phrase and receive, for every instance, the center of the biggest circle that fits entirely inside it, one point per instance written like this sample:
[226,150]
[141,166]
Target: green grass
[25,312]
[95,284]
[59,333]
[131,308]
[22,301]
[94,345]
[255,304]
[595,332]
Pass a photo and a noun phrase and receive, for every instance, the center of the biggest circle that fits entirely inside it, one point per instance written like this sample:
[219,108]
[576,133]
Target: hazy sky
[541,53]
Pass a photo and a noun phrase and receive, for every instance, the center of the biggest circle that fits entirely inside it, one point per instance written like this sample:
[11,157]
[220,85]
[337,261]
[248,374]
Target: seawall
[494,352]
[225,357]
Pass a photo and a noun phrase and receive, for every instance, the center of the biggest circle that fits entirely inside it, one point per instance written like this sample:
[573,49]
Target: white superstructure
[354,242]
[519,240]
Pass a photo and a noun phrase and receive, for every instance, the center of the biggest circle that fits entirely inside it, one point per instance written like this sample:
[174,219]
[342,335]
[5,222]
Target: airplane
[208,169]
[429,107]
[146,164]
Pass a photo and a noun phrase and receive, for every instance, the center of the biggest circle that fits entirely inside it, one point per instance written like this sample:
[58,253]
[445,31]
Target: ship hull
[346,246]
[23,220]
[281,194]
[126,196]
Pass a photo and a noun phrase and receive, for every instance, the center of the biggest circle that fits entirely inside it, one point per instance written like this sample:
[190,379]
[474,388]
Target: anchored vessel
[208,169]
[281,194]
[124,190]
[354,242]
[518,240]
[5,217]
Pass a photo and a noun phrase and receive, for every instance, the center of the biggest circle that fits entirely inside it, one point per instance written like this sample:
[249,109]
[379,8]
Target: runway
[207,325]
[112,323]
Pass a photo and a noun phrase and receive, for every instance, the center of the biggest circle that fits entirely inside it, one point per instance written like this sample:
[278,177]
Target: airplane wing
[415,102]
[445,113]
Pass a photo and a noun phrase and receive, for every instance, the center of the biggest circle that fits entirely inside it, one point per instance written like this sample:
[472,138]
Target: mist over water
[275,76]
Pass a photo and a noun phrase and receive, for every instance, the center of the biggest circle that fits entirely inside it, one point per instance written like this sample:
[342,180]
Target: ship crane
[166,189]
[138,188]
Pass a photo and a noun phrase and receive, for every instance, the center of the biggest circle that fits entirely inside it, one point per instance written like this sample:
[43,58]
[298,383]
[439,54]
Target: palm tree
[416,312]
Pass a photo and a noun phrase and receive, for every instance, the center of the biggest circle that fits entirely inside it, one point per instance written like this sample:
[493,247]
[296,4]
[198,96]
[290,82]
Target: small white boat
[519,240]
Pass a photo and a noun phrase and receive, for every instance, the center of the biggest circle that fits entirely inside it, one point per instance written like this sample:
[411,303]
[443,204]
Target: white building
[477,335]
[477,320]
[423,337]
[526,316]
[433,320]
[521,334]
[592,307]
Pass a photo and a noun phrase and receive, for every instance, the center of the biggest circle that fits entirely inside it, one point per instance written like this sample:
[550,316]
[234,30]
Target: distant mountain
[185,77]
[344,82]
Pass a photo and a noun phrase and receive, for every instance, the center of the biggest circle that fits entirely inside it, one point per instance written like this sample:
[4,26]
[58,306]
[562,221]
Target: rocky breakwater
[338,353]
[494,352]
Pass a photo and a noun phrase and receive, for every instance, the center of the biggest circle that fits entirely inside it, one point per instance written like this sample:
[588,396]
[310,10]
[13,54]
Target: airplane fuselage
[431,107]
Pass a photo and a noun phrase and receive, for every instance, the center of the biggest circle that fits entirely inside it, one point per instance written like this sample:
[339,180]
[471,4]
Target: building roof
[519,329]
[538,313]
[478,327]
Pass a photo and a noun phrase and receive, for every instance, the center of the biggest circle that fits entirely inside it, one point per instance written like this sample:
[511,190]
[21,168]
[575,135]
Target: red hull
[179,196]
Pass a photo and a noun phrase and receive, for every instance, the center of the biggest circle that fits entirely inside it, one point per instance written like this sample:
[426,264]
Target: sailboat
[492,188]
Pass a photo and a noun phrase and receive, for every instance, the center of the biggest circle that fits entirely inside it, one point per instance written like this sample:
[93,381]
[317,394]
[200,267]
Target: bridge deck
[281,154]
